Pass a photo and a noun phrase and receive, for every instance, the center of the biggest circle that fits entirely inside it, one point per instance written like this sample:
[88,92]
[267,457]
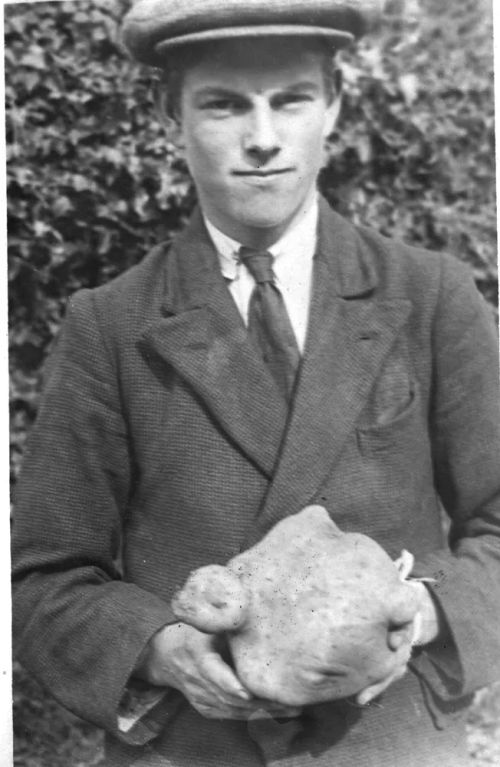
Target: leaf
[35,58]
[40,228]
[62,206]
[408,85]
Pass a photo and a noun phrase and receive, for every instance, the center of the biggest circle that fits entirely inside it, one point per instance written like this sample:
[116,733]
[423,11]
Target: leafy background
[93,182]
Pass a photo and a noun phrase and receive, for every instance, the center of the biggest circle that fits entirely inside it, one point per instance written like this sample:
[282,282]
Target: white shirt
[292,266]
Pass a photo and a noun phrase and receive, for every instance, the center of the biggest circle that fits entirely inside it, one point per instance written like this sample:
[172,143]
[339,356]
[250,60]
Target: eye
[291,100]
[223,106]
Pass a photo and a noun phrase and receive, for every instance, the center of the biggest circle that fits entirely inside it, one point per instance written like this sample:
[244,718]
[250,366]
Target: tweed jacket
[162,444]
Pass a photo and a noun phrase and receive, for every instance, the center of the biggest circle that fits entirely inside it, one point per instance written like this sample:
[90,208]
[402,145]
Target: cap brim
[335,37]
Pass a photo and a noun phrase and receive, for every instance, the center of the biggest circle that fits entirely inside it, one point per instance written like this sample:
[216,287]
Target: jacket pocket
[387,434]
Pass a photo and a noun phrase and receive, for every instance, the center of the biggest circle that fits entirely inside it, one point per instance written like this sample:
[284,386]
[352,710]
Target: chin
[264,222]
[265,216]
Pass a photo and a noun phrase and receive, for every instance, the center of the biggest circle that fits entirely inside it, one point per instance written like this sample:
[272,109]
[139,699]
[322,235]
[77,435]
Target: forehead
[258,64]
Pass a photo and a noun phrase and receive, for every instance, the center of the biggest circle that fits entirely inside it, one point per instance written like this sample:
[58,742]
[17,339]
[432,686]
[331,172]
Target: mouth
[257,173]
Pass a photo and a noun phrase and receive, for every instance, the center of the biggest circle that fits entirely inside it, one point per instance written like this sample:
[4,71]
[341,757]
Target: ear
[172,124]
[333,110]
[175,133]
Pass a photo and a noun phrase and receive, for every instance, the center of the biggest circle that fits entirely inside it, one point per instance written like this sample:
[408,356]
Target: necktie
[268,322]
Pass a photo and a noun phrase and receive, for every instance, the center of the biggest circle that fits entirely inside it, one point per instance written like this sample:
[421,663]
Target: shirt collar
[296,244]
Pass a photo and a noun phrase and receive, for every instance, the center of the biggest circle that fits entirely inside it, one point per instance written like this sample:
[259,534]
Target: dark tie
[268,322]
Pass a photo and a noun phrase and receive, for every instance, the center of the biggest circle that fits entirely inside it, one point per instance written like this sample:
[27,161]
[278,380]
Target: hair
[169,85]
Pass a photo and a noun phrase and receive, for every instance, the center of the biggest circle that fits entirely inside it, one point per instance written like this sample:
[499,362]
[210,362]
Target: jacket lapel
[351,330]
[202,336]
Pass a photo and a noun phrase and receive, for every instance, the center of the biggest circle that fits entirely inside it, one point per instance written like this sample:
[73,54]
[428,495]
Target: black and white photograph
[254,383]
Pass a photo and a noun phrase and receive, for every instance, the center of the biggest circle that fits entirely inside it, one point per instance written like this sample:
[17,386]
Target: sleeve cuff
[137,701]
[144,711]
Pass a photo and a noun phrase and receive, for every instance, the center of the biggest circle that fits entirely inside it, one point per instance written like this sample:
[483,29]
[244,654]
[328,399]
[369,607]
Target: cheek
[309,140]
[207,151]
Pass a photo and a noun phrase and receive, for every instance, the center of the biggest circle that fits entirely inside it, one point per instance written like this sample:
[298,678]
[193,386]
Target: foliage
[484,728]
[86,198]
[47,735]
[415,157]
[93,182]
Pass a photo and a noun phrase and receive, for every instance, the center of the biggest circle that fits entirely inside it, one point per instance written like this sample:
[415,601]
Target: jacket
[162,444]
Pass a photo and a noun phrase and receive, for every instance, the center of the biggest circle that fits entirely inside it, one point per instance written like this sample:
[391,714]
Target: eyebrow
[210,91]
[214,90]
[305,85]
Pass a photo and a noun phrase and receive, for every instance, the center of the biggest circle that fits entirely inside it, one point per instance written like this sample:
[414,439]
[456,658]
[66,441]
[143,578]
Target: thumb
[402,605]
[402,609]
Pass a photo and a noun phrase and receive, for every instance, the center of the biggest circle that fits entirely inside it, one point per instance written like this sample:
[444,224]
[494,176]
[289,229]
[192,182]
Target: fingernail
[396,640]
[244,695]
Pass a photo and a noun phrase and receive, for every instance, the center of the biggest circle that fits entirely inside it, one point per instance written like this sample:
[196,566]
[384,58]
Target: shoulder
[440,287]
[446,304]
[393,268]
[412,267]
[128,300]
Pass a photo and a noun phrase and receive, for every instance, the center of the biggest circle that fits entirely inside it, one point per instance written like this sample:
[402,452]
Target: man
[179,424]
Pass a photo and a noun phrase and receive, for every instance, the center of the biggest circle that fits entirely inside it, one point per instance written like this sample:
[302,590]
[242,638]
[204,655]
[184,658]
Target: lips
[261,173]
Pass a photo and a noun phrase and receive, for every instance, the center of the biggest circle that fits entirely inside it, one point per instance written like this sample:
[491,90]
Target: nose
[260,138]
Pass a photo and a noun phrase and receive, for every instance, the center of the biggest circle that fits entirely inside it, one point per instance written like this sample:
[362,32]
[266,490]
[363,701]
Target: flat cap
[152,28]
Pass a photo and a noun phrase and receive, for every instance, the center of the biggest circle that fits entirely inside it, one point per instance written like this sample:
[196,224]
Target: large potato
[308,611]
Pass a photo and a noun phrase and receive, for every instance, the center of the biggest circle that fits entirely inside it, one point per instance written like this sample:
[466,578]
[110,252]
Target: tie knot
[259,263]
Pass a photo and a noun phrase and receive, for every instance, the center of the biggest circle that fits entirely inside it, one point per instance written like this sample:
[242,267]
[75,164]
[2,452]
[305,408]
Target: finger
[245,713]
[214,709]
[202,697]
[277,712]
[400,636]
[374,690]
[222,678]
[275,707]
[218,712]
[403,605]
[367,695]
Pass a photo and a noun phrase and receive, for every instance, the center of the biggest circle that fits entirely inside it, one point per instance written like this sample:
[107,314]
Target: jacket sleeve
[79,628]
[465,431]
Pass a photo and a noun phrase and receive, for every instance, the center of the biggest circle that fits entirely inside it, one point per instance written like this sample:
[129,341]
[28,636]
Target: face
[254,115]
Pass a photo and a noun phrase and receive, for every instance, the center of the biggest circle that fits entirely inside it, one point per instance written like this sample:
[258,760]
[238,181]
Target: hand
[374,690]
[180,656]
[429,624]
[423,629]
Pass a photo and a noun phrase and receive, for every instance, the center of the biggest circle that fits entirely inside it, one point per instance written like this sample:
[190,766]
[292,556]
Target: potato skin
[212,600]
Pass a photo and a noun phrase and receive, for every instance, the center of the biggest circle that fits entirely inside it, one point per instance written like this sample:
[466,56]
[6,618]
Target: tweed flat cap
[154,27]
